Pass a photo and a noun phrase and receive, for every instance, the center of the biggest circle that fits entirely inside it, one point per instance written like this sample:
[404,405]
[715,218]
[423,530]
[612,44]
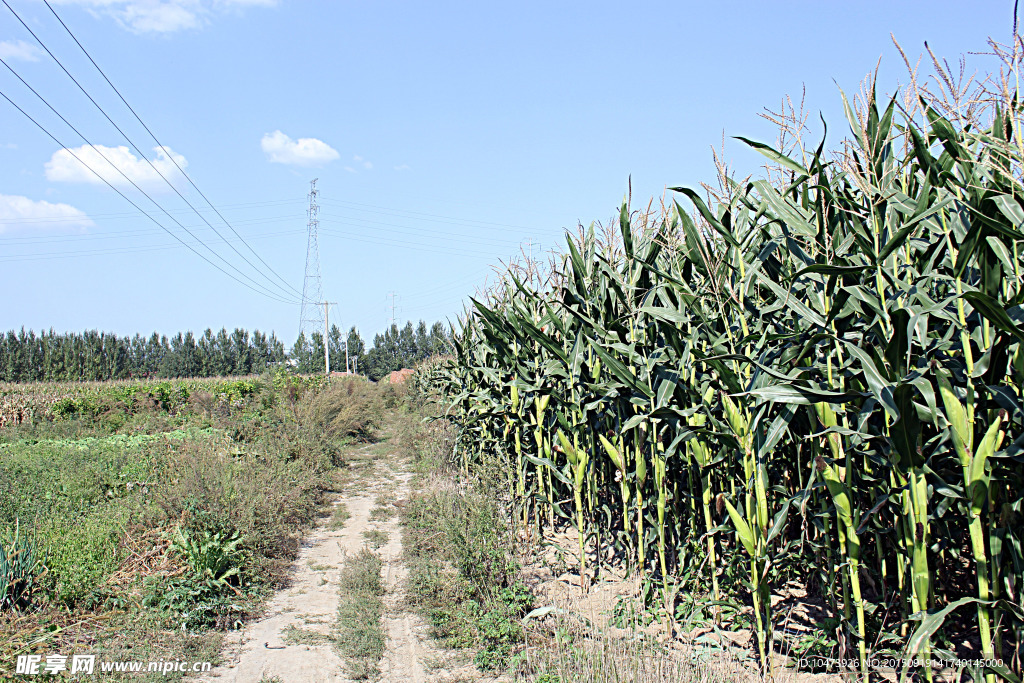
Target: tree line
[26,356]
[393,349]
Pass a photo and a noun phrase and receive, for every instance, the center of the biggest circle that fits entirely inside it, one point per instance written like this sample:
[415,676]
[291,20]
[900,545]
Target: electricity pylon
[311,318]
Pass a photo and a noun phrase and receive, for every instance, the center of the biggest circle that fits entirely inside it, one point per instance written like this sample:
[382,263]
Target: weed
[384,507]
[214,557]
[360,632]
[339,516]
[293,635]
[500,627]
[192,603]
[21,568]
[462,574]
[81,555]
[375,538]
[629,613]
[351,407]
[381,513]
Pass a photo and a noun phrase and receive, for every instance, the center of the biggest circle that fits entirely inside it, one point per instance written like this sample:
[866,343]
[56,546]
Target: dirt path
[403,658]
[293,641]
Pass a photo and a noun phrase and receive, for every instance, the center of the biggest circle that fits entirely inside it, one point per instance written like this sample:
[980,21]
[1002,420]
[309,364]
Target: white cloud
[360,160]
[350,169]
[108,161]
[403,167]
[281,149]
[19,49]
[17,211]
[159,17]
[163,16]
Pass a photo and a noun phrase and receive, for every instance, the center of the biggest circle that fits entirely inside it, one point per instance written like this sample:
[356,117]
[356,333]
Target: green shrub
[548,678]
[81,555]
[71,406]
[192,602]
[500,627]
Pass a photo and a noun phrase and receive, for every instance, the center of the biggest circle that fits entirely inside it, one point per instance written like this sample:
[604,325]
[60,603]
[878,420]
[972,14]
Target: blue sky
[445,136]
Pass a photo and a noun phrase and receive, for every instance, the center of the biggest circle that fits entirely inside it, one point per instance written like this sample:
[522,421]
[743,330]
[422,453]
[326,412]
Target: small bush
[81,554]
[193,602]
[500,627]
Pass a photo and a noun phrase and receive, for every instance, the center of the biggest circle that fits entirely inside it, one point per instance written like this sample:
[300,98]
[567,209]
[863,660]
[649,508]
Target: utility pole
[327,341]
[392,295]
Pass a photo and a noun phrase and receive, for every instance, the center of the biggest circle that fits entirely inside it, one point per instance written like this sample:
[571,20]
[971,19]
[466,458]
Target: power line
[122,173]
[427,232]
[44,256]
[132,143]
[159,144]
[429,216]
[115,234]
[131,214]
[137,207]
[388,242]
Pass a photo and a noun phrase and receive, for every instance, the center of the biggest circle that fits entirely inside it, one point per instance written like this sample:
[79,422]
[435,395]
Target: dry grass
[375,538]
[339,516]
[562,650]
[384,507]
[293,635]
[349,407]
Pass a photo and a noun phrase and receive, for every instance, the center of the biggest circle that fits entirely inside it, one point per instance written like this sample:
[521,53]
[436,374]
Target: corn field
[812,377]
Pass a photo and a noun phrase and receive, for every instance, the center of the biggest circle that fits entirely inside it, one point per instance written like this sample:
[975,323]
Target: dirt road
[293,642]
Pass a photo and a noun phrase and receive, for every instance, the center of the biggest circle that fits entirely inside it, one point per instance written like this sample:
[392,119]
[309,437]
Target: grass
[384,508]
[381,513]
[375,538]
[360,637]
[293,635]
[463,575]
[560,655]
[339,516]
[102,477]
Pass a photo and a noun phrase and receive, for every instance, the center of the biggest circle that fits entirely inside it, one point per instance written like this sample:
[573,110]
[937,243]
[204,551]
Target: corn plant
[813,376]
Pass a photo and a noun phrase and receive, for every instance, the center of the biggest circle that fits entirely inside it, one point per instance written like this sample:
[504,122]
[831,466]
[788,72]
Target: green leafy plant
[21,568]
[213,556]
